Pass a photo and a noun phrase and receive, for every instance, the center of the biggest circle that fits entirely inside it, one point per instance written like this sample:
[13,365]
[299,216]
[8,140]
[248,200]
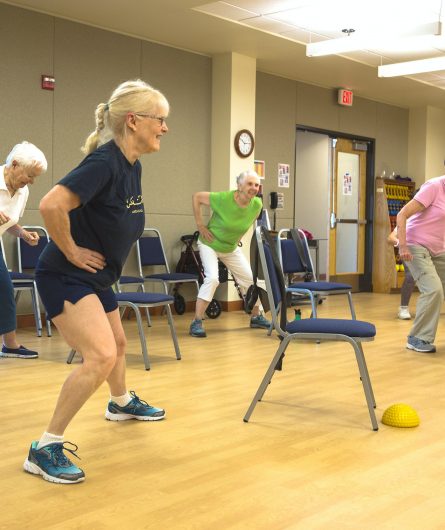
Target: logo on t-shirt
[134,201]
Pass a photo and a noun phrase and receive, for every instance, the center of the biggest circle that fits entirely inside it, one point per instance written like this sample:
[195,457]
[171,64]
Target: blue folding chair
[25,282]
[152,254]
[28,256]
[354,332]
[293,263]
[142,300]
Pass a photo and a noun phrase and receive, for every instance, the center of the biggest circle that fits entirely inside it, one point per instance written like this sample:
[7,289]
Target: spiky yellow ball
[400,415]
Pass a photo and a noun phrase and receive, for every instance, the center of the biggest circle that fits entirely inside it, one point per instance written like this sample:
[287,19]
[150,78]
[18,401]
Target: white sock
[48,438]
[122,400]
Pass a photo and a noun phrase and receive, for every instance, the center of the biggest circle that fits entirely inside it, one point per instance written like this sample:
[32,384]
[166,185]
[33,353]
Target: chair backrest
[151,250]
[27,255]
[288,253]
[263,219]
[2,248]
[273,277]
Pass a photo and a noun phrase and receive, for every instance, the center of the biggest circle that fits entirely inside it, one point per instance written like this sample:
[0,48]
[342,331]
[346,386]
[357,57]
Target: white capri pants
[235,261]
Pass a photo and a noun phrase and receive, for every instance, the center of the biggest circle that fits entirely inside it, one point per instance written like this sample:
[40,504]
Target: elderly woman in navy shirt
[94,215]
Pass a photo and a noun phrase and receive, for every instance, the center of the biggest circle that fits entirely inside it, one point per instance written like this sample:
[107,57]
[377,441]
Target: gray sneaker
[416,344]
[196,329]
[259,322]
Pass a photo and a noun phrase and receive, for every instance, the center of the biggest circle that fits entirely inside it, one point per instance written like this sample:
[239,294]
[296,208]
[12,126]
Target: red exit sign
[345,97]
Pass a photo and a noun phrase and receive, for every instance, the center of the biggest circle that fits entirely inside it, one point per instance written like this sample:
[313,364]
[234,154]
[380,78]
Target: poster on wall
[347,183]
[283,175]
[259,167]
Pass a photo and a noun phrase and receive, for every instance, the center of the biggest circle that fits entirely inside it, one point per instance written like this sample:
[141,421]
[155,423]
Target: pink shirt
[427,228]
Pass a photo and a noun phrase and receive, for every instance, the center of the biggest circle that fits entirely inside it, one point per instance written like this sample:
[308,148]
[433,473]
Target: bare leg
[256,311]
[10,340]
[116,379]
[85,327]
[201,306]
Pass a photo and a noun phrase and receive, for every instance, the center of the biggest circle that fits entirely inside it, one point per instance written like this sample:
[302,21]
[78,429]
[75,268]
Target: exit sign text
[345,97]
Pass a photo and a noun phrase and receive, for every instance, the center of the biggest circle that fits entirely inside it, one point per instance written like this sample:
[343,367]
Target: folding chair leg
[369,394]
[314,302]
[147,316]
[365,367]
[351,306]
[36,308]
[71,355]
[48,326]
[173,331]
[267,378]
[141,336]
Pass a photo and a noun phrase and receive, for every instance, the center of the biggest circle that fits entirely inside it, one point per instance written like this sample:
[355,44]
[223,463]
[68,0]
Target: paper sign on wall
[283,175]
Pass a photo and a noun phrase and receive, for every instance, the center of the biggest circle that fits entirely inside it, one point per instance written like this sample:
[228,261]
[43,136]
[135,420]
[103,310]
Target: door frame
[365,280]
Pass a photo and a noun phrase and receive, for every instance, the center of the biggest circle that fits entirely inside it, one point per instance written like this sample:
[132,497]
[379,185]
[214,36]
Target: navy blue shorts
[55,288]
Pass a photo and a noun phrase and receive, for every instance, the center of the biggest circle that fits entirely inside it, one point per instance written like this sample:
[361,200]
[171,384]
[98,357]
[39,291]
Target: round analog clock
[244,143]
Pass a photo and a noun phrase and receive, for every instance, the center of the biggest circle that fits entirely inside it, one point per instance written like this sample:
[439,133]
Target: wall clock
[244,143]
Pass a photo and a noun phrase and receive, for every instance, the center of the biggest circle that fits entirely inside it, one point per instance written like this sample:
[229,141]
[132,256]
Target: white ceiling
[275,33]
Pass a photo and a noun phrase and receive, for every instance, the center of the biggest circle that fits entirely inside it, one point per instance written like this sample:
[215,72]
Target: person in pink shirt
[421,234]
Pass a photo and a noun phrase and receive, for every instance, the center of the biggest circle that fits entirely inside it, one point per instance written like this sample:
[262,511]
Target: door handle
[352,221]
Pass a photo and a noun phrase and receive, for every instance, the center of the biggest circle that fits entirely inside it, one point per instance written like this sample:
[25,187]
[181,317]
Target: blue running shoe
[137,409]
[259,322]
[21,352]
[196,329]
[51,462]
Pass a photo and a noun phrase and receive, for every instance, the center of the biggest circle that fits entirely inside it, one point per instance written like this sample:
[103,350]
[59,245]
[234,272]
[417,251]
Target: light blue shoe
[137,409]
[196,329]
[416,344]
[259,322]
[51,462]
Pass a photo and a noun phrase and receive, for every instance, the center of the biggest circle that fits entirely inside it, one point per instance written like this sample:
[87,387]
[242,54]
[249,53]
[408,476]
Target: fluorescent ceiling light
[430,34]
[412,67]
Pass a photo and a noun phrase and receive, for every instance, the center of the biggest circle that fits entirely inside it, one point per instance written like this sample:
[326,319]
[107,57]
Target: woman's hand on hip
[404,253]
[205,233]
[88,260]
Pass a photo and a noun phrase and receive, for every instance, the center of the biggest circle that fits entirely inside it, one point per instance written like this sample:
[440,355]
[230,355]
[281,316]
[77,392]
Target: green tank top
[229,222]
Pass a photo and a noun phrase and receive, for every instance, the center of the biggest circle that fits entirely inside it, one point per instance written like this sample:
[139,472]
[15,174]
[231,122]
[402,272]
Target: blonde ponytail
[95,139]
[130,96]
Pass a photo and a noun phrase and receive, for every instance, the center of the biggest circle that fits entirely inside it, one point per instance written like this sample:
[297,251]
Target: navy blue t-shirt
[110,218]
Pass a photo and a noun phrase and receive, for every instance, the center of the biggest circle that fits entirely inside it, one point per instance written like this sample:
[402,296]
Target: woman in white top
[24,163]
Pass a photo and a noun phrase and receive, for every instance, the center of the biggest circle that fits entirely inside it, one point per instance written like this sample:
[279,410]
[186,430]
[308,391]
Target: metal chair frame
[143,300]
[27,257]
[353,332]
[310,289]
[151,252]
[25,282]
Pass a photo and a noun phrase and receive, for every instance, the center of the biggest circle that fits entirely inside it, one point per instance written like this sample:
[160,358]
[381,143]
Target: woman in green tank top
[233,213]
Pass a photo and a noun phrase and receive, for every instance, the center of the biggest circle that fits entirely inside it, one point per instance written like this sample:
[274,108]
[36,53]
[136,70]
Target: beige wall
[435,143]
[417,144]
[281,104]
[88,63]
[426,157]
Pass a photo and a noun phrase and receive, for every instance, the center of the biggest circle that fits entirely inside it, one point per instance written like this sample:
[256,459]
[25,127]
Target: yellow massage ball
[400,415]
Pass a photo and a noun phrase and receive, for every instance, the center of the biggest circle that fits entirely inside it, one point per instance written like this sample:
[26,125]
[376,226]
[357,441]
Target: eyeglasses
[160,119]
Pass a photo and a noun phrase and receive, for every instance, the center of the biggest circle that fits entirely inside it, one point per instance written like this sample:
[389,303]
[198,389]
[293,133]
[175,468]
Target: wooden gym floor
[307,459]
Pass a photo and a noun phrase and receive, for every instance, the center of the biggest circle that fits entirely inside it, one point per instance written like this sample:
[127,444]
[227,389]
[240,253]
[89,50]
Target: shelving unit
[390,197]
